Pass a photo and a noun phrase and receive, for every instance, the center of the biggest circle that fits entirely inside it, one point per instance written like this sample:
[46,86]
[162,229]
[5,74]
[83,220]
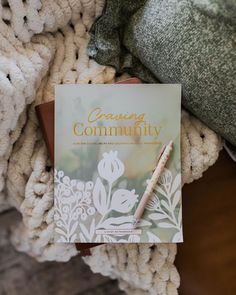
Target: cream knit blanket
[43,43]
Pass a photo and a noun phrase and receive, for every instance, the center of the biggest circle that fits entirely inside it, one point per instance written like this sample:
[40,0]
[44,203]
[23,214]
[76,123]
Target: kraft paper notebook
[108,139]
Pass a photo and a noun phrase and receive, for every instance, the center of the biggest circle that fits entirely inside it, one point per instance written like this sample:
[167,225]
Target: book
[45,113]
[108,139]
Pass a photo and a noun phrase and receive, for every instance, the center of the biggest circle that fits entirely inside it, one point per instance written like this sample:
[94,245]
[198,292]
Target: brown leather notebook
[45,114]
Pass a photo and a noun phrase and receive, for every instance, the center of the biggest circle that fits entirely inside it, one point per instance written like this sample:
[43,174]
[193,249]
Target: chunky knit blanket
[43,43]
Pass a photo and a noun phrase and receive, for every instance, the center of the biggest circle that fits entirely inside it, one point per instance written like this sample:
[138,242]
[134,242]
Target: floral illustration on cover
[82,208]
[164,203]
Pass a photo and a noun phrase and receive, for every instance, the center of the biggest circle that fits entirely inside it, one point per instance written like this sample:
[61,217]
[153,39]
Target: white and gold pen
[162,160]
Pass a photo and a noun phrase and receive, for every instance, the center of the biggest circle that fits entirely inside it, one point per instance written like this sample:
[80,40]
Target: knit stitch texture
[176,41]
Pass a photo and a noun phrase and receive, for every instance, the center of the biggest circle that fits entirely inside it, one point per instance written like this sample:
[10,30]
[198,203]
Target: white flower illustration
[153,203]
[123,200]
[77,201]
[73,200]
[110,167]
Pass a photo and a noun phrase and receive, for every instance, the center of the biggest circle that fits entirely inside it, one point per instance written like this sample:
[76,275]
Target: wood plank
[207,258]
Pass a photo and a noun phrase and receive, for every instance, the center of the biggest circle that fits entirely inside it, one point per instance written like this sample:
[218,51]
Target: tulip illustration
[123,200]
[110,167]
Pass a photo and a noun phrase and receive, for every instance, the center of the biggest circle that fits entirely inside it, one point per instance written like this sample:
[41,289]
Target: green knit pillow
[176,41]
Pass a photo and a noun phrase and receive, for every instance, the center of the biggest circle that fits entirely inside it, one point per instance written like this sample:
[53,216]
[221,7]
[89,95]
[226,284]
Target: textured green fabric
[187,42]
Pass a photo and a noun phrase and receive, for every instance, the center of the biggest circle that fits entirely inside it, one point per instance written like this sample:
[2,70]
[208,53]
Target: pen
[162,160]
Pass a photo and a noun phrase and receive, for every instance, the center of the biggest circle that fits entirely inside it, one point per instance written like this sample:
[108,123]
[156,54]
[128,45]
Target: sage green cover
[107,142]
[187,42]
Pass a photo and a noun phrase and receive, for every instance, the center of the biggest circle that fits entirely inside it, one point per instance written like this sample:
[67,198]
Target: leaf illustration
[73,238]
[62,240]
[164,204]
[98,239]
[60,231]
[100,197]
[82,238]
[176,199]
[92,228]
[144,222]
[124,222]
[177,238]
[123,200]
[152,238]
[176,183]
[153,203]
[134,239]
[108,239]
[85,231]
[73,228]
[156,216]
[180,216]
[160,190]
[165,225]
[166,178]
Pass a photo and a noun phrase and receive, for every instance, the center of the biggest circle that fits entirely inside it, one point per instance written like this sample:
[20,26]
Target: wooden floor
[207,259]
[22,275]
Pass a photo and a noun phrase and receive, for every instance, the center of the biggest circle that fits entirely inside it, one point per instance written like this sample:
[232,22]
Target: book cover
[107,141]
